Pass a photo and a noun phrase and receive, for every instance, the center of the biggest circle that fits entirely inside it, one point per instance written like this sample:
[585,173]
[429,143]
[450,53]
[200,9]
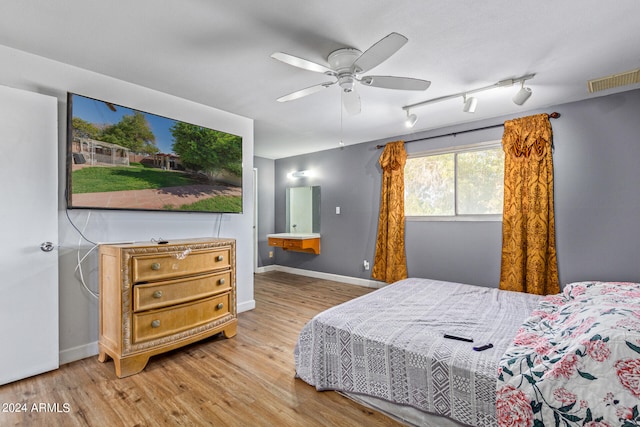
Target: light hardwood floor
[247,380]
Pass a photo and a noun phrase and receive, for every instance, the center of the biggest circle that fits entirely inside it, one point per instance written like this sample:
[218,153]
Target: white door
[255,220]
[28,218]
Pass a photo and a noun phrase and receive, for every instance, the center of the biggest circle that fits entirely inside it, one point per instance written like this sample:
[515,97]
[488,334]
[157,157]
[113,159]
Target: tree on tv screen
[207,150]
[132,132]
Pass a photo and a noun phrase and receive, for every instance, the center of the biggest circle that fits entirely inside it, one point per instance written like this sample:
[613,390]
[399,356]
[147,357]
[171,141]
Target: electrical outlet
[270,254]
[366,264]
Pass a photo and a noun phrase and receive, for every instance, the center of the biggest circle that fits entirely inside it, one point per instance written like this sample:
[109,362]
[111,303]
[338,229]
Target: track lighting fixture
[411,120]
[470,104]
[523,94]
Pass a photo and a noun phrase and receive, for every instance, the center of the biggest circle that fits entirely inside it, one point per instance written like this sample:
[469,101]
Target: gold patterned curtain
[528,226]
[390,262]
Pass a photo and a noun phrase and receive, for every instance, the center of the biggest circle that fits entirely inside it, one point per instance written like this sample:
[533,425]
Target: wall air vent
[614,80]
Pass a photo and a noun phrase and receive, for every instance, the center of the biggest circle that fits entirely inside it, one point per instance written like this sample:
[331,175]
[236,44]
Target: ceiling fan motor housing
[342,61]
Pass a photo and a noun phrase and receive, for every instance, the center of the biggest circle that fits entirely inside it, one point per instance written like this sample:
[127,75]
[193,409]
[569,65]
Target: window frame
[456,150]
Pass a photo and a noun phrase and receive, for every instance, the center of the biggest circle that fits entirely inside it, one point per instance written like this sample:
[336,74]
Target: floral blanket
[575,361]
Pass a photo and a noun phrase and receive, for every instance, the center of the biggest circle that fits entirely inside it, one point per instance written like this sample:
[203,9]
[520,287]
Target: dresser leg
[126,366]
[231,330]
[130,365]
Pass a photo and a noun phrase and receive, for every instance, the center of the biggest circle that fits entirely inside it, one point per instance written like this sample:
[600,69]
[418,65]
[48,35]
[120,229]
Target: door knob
[46,246]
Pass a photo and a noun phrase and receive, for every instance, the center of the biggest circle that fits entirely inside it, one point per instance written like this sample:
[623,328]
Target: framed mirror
[303,209]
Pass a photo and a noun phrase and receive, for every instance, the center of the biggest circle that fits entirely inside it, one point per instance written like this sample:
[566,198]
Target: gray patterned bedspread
[389,344]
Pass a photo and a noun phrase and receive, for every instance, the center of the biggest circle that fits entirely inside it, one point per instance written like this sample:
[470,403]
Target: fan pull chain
[341,127]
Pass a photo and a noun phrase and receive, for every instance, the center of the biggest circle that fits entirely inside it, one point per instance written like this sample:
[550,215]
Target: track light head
[470,104]
[411,120]
[523,94]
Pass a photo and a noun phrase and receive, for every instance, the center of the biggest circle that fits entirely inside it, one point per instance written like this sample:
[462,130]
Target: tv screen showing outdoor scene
[122,158]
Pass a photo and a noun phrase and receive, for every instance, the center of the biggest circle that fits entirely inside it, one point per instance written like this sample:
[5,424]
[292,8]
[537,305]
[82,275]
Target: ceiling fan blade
[301,63]
[351,102]
[304,92]
[379,52]
[390,82]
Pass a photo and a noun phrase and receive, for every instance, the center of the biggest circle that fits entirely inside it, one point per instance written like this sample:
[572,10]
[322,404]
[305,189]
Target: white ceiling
[217,53]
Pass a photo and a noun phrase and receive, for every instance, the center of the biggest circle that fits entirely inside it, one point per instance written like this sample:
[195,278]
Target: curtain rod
[553,115]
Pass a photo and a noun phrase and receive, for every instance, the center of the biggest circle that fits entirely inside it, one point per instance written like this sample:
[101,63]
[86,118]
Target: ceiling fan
[347,65]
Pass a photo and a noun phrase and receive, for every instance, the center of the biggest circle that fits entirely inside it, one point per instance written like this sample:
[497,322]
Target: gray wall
[349,178]
[597,200]
[598,189]
[266,208]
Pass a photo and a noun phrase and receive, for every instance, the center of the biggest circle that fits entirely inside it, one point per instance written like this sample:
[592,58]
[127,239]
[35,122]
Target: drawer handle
[157,294]
[220,306]
[221,281]
[155,266]
[219,258]
[155,324]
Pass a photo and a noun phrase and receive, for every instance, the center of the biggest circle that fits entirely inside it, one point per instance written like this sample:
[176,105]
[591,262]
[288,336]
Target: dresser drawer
[160,323]
[145,268]
[162,294]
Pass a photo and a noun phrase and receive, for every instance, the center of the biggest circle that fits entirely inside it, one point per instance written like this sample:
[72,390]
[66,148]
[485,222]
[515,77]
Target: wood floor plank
[248,380]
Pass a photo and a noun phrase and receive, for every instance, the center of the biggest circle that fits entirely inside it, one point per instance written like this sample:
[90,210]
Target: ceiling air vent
[614,80]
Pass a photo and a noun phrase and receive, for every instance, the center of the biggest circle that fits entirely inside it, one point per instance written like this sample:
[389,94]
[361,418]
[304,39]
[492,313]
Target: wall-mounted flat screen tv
[126,159]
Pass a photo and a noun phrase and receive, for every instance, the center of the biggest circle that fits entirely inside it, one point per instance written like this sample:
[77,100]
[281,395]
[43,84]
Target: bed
[387,350]
[389,345]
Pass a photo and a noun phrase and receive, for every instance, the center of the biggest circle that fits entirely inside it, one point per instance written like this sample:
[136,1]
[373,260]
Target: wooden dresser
[158,297]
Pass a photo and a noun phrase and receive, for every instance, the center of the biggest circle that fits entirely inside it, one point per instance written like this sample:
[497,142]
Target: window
[464,183]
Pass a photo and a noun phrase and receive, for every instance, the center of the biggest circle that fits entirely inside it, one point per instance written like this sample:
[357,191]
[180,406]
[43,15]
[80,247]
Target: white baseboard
[327,276]
[246,306]
[267,268]
[76,353]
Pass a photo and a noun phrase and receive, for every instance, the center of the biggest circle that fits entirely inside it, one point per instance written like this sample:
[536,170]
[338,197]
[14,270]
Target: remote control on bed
[457,337]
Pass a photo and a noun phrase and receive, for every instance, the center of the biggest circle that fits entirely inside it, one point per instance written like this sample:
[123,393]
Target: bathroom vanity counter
[300,242]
